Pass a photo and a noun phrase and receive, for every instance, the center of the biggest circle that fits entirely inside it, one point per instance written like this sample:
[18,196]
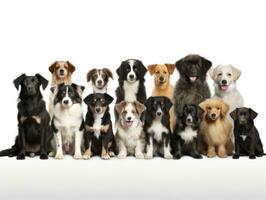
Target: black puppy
[186,134]
[247,139]
[33,119]
[98,136]
[157,127]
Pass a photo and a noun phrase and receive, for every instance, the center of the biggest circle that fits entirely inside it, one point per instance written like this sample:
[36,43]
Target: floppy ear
[253,114]
[19,80]
[170,67]
[88,99]
[200,112]
[44,82]
[203,105]
[151,68]
[78,88]
[89,74]
[206,64]
[53,89]
[236,72]
[108,72]
[148,103]
[143,69]
[108,98]
[224,109]
[212,73]
[52,67]
[119,106]
[233,114]
[71,67]
[139,107]
[168,103]
[119,70]
[179,65]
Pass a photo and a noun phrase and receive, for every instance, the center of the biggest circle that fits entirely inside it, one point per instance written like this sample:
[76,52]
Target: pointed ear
[151,68]
[119,106]
[52,67]
[224,109]
[139,107]
[236,73]
[206,64]
[170,67]
[88,99]
[71,67]
[212,73]
[108,98]
[253,114]
[168,103]
[180,65]
[44,82]
[19,80]
[90,74]
[233,114]
[108,73]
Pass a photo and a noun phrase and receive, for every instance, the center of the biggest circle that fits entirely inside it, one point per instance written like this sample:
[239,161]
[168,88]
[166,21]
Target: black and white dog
[186,133]
[98,136]
[131,82]
[33,119]
[99,79]
[67,122]
[157,127]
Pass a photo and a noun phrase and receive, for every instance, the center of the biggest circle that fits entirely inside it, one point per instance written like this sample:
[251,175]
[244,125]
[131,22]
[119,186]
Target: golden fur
[216,130]
[61,64]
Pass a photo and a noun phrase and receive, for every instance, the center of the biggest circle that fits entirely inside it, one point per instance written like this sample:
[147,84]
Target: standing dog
[98,137]
[67,122]
[130,138]
[33,119]
[247,139]
[99,79]
[157,127]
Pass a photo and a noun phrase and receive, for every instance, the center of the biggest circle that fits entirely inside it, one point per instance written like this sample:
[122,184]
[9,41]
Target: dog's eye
[218,108]
[229,74]
[209,108]
[157,72]
[165,72]
[133,111]
[220,74]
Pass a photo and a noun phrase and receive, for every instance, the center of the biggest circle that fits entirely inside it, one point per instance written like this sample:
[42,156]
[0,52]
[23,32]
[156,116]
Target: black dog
[98,137]
[33,119]
[247,139]
[186,134]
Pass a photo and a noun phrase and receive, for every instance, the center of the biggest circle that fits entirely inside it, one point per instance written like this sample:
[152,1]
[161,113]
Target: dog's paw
[222,155]
[86,157]
[59,156]
[43,157]
[197,156]
[168,156]
[32,155]
[51,154]
[111,154]
[105,157]
[148,156]
[21,157]
[211,155]
[121,156]
[77,156]
[252,157]
[139,155]
[235,156]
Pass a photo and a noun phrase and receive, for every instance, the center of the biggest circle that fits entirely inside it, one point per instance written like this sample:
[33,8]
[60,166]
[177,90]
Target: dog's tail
[7,152]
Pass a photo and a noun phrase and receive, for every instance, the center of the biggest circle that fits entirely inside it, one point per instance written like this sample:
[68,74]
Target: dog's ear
[89,74]
[170,67]
[119,70]
[19,80]
[168,103]
[252,113]
[108,72]
[52,89]
[88,99]
[71,67]
[52,67]
[119,106]
[148,103]
[151,68]
[212,73]
[224,109]
[233,114]
[203,105]
[78,88]
[108,98]
[206,64]
[44,82]
[139,107]
[180,65]
[200,112]
[236,73]
[143,69]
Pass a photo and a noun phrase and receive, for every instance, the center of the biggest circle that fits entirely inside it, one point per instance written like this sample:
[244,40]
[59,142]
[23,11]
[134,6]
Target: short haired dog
[98,137]
[247,139]
[99,79]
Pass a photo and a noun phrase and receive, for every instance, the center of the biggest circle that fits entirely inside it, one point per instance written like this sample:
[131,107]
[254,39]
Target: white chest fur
[97,124]
[244,137]
[131,90]
[157,129]
[188,134]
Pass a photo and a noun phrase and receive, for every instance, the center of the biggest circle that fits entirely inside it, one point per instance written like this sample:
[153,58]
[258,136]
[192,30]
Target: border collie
[99,79]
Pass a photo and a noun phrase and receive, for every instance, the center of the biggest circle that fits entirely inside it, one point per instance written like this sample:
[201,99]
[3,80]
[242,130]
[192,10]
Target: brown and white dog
[99,79]
[130,138]
[162,85]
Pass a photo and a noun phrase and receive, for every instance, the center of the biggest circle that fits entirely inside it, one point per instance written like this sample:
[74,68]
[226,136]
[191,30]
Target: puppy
[216,128]
[157,127]
[99,79]
[67,122]
[186,136]
[162,85]
[247,139]
[130,138]
[33,119]
[98,137]
[131,82]
[192,87]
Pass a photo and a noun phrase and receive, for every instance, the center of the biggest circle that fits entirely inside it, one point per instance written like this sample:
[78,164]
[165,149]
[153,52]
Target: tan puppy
[162,85]
[216,128]
[61,72]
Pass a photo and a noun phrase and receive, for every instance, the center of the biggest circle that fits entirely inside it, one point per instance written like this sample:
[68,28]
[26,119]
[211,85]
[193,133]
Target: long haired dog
[162,84]
[98,137]
[157,127]
[247,139]
[67,122]
[130,138]
[185,140]
[216,128]
[99,79]
[33,119]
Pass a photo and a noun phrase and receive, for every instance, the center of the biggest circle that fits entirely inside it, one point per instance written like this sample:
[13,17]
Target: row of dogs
[174,121]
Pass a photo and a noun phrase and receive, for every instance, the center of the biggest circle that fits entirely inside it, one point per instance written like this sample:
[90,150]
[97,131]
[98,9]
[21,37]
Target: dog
[157,127]
[191,88]
[216,128]
[98,137]
[33,119]
[130,138]
[67,122]
[162,85]
[131,82]
[185,140]
[247,139]
[99,79]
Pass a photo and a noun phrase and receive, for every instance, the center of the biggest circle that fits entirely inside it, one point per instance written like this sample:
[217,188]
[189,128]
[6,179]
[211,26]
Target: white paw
[139,155]
[86,157]
[77,156]
[168,156]
[121,156]
[32,155]
[105,157]
[51,154]
[111,154]
[148,156]
[59,156]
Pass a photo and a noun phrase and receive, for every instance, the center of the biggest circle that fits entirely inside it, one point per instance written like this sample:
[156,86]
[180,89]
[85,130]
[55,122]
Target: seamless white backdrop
[103,33]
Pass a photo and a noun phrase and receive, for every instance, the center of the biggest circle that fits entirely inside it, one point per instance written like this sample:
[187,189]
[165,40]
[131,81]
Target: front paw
[105,157]
[59,156]
[77,156]
[21,157]
[121,156]
[197,156]
[139,155]
[43,157]
[177,156]
[252,157]
[211,155]
[148,156]
[168,156]
[235,156]
[86,157]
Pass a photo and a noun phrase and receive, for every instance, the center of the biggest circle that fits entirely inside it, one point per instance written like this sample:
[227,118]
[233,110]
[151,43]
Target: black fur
[31,133]
[244,126]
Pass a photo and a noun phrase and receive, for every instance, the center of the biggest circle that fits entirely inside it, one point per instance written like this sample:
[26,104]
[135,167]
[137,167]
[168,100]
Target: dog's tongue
[224,87]
[129,123]
[193,78]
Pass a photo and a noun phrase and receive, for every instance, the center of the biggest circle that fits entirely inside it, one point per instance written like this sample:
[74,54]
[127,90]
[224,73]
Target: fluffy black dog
[247,139]
[185,139]
[33,119]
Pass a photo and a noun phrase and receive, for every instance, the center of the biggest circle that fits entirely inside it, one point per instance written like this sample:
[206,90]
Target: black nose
[129,118]
[161,78]
[189,120]
[131,76]
[224,82]
[99,82]
[98,109]
[65,101]
[30,89]
[61,71]
[159,113]
[213,115]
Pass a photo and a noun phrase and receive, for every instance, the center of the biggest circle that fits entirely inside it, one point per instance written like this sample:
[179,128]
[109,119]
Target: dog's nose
[224,82]
[98,110]
[131,76]
[159,113]
[65,101]
[129,118]
[213,115]
[61,71]
[189,120]
[161,79]
[99,82]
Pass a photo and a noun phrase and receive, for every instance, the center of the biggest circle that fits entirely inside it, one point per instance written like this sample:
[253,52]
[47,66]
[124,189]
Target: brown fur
[57,80]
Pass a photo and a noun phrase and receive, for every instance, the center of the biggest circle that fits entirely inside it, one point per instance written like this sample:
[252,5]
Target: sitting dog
[99,79]
[157,127]
[162,85]
[130,138]
[67,122]
[33,119]
[216,128]
[98,137]
[186,135]
[247,139]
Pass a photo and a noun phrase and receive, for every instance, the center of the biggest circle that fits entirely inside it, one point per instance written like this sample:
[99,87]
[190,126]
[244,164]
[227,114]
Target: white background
[99,33]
